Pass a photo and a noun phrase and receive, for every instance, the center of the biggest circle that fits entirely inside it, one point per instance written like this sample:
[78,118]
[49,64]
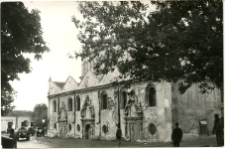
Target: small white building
[15,119]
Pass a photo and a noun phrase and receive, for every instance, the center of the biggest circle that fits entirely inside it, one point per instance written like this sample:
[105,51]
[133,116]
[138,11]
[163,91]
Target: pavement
[207,141]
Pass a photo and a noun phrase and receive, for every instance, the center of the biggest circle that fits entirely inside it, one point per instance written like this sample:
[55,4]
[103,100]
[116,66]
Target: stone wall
[192,106]
[53,116]
[160,115]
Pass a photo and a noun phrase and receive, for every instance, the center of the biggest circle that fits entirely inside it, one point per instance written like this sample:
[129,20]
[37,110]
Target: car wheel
[28,138]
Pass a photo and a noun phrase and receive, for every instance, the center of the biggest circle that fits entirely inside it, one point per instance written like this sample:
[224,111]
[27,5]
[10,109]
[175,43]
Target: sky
[60,34]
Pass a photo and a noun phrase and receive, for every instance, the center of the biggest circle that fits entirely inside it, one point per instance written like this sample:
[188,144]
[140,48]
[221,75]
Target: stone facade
[147,111]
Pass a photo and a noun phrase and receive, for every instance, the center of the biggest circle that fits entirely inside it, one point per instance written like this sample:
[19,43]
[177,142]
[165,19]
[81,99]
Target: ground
[46,142]
[205,141]
[34,143]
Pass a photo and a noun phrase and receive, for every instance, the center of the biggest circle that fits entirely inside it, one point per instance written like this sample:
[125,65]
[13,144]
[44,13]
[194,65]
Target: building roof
[20,113]
[59,84]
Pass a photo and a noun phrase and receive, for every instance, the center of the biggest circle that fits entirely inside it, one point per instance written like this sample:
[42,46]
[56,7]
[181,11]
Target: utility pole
[119,105]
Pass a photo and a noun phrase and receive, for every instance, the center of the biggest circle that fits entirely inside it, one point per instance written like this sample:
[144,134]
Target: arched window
[70,127]
[104,100]
[54,106]
[78,103]
[70,104]
[78,127]
[55,126]
[151,95]
[123,99]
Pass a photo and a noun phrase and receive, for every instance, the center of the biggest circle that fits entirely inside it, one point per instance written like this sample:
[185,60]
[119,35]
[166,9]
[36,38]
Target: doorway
[134,131]
[88,132]
[9,127]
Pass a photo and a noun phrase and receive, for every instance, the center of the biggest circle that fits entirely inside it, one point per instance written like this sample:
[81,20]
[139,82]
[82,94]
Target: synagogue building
[146,111]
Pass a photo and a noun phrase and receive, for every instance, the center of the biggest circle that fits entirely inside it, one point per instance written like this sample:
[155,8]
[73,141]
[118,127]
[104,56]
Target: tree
[20,33]
[8,97]
[181,40]
[39,113]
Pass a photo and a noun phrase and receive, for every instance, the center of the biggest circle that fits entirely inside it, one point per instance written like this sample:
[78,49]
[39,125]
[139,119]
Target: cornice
[92,88]
[79,90]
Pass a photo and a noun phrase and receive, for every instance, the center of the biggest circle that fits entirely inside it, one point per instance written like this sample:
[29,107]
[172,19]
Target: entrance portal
[134,131]
[88,132]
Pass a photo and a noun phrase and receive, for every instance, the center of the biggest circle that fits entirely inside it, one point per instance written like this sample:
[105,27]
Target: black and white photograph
[112,74]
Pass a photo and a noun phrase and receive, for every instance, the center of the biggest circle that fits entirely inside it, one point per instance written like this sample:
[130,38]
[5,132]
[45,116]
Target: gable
[89,80]
[54,88]
[109,77]
[70,84]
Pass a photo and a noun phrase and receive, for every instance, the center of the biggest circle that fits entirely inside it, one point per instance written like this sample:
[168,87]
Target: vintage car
[31,131]
[23,133]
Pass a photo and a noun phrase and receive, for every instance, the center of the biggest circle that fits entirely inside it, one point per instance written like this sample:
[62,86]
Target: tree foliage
[39,113]
[181,40]
[7,98]
[21,33]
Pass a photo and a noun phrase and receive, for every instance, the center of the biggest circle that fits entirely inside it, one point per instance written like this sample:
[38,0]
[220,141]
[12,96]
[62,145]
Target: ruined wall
[160,115]
[69,125]
[93,97]
[192,106]
[52,115]
[109,116]
[53,118]
[105,120]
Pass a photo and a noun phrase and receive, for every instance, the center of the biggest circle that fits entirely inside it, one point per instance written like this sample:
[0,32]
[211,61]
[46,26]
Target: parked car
[23,133]
[31,131]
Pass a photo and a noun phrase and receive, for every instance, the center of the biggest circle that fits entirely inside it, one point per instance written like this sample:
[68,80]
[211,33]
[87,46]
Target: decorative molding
[62,114]
[133,100]
[87,104]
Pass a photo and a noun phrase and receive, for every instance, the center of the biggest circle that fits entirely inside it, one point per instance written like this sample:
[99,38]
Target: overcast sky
[61,37]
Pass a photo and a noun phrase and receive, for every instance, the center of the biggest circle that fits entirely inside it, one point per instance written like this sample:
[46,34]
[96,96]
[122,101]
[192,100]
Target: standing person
[177,135]
[216,120]
[118,134]
[220,132]
[13,136]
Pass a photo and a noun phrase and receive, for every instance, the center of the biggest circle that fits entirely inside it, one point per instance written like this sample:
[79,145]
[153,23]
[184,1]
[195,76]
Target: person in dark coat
[118,134]
[13,136]
[220,132]
[216,120]
[177,135]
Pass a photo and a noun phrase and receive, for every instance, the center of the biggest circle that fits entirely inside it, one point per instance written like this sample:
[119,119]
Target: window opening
[124,100]
[70,107]
[54,106]
[152,97]
[78,127]
[78,103]
[104,101]
[70,127]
